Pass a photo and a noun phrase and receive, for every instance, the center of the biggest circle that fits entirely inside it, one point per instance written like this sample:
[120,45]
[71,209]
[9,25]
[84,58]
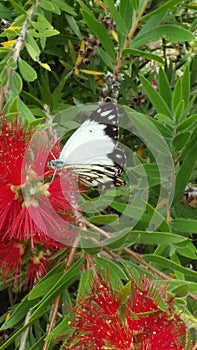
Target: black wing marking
[99,176]
[107,114]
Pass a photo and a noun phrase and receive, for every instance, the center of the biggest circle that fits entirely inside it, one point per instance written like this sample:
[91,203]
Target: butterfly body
[92,151]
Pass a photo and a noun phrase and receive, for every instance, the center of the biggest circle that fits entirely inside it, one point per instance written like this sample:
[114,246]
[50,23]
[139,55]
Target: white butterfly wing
[92,150]
[88,145]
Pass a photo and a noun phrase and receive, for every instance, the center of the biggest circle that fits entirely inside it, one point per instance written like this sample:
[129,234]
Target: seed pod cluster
[112,85]
[108,22]
[139,99]
[91,43]
[4,24]
[190,196]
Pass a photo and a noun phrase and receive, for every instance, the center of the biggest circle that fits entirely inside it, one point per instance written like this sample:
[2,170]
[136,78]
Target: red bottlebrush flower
[105,319]
[28,204]
[37,268]
[31,207]
[11,256]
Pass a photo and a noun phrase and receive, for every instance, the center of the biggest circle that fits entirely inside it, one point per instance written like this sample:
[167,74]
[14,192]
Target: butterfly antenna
[53,177]
[52,155]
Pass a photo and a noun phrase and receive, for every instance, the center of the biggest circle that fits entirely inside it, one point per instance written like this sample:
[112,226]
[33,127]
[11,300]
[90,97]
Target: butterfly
[92,151]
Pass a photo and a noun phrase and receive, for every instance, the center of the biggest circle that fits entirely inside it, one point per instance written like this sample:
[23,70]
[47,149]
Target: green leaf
[12,63]
[174,257]
[186,168]
[169,31]
[43,287]
[57,270]
[181,291]
[189,123]
[186,252]
[111,271]
[4,76]
[185,80]
[144,54]
[84,6]
[162,8]
[32,51]
[50,6]
[57,288]
[151,23]
[107,59]
[46,34]
[165,238]
[126,12]
[28,73]
[130,211]
[191,286]
[103,219]
[24,111]
[181,140]
[156,218]
[184,225]
[177,95]
[178,113]
[164,87]
[98,29]
[169,264]
[12,107]
[164,118]
[17,7]
[193,70]
[135,4]
[156,99]
[16,83]
[65,7]
[148,129]
[41,24]
[85,284]
[117,240]
[74,26]
[5,11]
[4,51]
[64,327]
[19,313]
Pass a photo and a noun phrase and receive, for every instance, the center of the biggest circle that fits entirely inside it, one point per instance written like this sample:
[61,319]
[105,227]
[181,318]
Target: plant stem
[130,36]
[134,255]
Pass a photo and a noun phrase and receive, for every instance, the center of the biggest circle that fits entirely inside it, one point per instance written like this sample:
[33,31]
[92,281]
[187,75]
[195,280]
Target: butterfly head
[56,164]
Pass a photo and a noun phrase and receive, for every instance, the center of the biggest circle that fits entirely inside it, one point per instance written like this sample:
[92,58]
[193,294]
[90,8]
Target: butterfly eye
[56,164]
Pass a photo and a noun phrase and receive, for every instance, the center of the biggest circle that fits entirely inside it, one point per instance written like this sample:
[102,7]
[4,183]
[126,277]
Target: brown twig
[134,255]
[97,229]
[130,36]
